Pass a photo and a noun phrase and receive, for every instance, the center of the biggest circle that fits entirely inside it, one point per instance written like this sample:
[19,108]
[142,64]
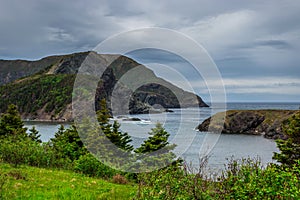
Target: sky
[255,44]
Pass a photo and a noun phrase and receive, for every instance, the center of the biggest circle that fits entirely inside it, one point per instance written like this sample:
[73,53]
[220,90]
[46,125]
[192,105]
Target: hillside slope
[38,183]
[43,89]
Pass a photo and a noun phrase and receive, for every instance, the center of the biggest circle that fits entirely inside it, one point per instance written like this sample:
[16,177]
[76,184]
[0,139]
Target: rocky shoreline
[253,122]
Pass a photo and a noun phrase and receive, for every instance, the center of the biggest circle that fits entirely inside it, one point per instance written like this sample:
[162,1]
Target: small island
[254,122]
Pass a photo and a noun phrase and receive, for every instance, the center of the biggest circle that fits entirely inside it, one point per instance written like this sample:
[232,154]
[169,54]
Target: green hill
[42,89]
[38,183]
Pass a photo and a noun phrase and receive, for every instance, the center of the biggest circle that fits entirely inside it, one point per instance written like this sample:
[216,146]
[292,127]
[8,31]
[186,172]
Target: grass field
[37,183]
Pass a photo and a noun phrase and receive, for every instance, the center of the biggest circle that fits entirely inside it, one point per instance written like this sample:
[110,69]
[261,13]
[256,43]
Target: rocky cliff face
[19,77]
[254,122]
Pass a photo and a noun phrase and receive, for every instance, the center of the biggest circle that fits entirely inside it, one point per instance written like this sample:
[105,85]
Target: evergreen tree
[103,114]
[67,143]
[34,135]
[60,131]
[112,131]
[158,139]
[119,138]
[155,152]
[290,148]
[11,122]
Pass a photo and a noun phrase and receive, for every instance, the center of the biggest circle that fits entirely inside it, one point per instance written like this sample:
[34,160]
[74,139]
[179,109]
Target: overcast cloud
[255,44]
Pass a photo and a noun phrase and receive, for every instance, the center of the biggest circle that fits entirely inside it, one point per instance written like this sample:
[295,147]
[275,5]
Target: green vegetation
[120,139]
[37,183]
[49,92]
[290,148]
[42,89]
[63,169]
[11,123]
[158,139]
[34,135]
[244,179]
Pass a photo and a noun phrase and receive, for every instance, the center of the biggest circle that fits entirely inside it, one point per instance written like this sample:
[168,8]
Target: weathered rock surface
[127,96]
[254,122]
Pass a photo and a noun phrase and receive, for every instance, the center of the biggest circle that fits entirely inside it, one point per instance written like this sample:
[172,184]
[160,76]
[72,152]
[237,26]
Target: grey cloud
[277,44]
[245,38]
[280,44]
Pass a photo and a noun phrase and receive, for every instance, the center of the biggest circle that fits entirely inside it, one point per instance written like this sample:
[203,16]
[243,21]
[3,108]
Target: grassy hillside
[37,183]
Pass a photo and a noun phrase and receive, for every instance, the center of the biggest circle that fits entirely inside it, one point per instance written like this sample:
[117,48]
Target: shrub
[15,150]
[119,179]
[290,148]
[173,182]
[89,165]
[242,179]
[247,179]
[22,150]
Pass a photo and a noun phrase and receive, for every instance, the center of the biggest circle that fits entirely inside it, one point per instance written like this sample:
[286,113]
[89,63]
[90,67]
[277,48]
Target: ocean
[193,145]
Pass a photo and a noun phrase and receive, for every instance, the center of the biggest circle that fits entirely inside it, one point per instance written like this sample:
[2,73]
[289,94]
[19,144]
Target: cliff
[42,89]
[254,122]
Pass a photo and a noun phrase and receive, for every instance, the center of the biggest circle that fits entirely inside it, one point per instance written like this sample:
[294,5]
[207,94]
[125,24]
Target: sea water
[193,145]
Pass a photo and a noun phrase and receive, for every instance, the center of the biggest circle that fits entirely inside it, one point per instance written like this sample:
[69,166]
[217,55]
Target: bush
[242,179]
[247,179]
[22,150]
[173,182]
[89,165]
[290,148]
[119,179]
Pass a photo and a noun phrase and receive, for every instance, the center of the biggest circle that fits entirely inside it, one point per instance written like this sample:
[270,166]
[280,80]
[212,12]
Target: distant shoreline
[47,121]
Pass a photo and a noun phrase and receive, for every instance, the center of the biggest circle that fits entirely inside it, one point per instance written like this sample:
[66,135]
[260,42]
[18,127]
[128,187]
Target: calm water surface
[191,144]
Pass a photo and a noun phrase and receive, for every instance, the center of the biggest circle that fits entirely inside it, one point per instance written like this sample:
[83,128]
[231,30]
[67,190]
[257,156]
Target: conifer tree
[67,143]
[112,131]
[60,131]
[11,122]
[290,148]
[34,135]
[119,138]
[156,152]
[158,139]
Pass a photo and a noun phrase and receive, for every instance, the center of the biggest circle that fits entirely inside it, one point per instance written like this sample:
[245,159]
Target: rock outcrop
[53,77]
[254,122]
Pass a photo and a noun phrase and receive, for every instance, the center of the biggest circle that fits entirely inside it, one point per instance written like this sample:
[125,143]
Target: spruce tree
[11,122]
[103,114]
[290,148]
[156,152]
[60,131]
[112,131]
[119,138]
[34,135]
[158,139]
[67,143]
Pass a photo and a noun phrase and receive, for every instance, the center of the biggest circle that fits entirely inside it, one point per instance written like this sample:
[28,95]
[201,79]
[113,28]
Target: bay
[191,144]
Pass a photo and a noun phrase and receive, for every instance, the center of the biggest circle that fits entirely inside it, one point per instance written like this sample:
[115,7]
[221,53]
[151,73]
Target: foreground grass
[38,183]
